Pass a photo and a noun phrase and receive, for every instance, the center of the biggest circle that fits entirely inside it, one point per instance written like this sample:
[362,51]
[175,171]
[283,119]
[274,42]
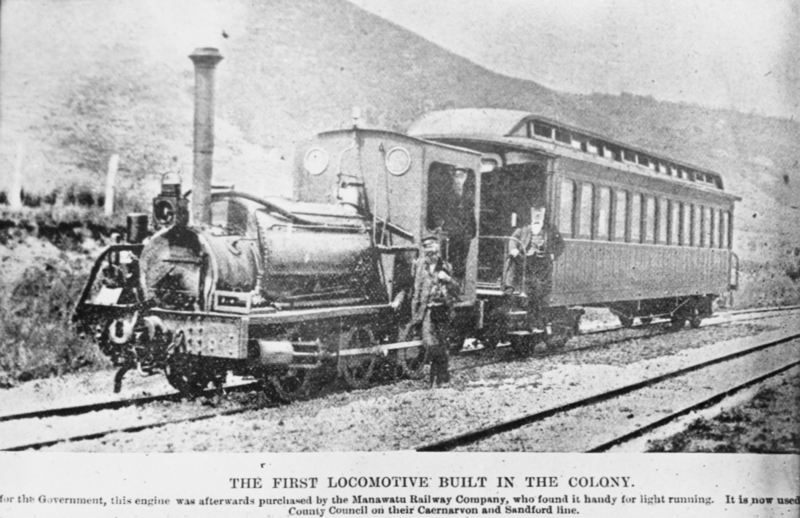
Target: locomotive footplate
[268,339]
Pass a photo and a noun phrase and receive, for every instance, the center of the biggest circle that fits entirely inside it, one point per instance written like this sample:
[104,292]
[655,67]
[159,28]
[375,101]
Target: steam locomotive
[298,291]
[290,291]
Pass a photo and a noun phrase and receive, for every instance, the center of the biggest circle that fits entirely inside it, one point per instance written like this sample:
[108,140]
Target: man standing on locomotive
[435,292]
[535,246]
[453,212]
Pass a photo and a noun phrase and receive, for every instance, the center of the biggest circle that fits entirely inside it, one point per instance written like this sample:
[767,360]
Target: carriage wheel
[695,320]
[292,385]
[625,320]
[676,323]
[559,337]
[563,324]
[357,369]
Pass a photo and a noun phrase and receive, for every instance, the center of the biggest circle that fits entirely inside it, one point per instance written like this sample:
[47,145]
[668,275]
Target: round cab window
[398,161]
[316,161]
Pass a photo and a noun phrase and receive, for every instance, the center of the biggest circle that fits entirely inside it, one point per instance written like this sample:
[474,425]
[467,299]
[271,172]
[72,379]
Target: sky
[739,54]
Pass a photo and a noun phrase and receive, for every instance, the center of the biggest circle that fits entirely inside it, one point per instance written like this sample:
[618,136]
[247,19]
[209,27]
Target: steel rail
[473,436]
[115,405]
[130,429]
[713,400]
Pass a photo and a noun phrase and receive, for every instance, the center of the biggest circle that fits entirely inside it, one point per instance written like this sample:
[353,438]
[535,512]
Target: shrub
[36,336]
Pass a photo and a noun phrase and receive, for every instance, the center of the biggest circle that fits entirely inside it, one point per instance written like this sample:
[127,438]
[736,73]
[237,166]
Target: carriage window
[706,227]
[686,233]
[674,223]
[714,228]
[620,213]
[567,203]
[542,130]
[585,215]
[604,213]
[697,217]
[563,136]
[724,242]
[663,217]
[636,218]
[650,220]
[629,156]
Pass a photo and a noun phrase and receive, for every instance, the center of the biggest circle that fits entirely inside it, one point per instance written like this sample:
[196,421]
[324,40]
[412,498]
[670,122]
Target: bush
[36,336]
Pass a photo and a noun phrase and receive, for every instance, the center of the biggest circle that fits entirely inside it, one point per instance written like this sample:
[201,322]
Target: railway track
[474,436]
[175,397]
[75,410]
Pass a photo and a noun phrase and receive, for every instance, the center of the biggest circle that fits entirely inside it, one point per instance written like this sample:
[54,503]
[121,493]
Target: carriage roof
[511,127]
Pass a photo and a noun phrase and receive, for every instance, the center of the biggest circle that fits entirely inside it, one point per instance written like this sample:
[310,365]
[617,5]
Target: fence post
[15,193]
[113,165]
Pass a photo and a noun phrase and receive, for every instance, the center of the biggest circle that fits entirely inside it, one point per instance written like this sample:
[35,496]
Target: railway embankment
[45,257]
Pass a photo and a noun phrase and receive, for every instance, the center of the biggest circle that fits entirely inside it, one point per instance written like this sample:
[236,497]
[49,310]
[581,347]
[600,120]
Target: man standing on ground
[435,292]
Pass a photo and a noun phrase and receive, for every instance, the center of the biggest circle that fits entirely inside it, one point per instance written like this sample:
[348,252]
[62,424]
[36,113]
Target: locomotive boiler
[291,291]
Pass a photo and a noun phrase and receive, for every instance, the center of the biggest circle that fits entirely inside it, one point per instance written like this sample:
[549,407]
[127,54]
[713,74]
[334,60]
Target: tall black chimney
[205,61]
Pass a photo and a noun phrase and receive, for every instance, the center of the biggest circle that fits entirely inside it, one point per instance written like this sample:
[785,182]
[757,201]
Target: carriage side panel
[592,272]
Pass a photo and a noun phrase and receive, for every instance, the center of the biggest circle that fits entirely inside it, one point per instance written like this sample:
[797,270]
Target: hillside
[83,80]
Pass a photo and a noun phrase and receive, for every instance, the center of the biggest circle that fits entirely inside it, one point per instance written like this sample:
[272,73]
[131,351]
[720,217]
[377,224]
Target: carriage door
[507,195]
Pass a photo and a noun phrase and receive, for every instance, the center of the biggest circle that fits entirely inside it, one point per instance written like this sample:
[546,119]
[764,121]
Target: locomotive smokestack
[205,61]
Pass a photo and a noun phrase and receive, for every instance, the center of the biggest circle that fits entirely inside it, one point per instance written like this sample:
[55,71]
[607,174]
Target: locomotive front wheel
[357,369]
[186,375]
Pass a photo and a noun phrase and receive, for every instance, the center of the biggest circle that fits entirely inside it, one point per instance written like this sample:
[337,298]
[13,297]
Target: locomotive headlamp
[398,161]
[316,161]
[169,207]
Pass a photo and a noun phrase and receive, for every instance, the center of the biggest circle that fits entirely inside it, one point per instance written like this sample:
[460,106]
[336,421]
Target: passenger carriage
[646,235]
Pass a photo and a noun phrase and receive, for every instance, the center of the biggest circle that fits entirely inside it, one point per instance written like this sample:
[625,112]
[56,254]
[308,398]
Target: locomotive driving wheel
[292,385]
[356,369]
[411,360]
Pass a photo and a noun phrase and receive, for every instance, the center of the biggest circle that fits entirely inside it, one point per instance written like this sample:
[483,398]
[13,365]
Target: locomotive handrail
[291,216]
[137,249]
[733,276]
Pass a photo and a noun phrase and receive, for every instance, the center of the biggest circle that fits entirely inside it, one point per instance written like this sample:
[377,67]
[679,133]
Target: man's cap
[428,236]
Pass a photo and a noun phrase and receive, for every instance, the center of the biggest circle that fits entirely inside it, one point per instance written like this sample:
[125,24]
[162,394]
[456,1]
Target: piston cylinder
[275,352]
